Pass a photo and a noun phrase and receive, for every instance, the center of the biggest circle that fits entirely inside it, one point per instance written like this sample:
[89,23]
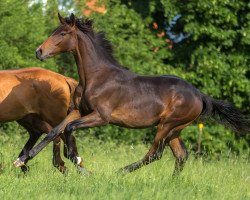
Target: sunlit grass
[222,179]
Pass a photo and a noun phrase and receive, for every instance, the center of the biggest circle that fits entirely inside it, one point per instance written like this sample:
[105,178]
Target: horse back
[34,90]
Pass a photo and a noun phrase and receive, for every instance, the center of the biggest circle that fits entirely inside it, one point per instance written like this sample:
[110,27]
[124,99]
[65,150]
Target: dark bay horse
[113,94]
[38,100]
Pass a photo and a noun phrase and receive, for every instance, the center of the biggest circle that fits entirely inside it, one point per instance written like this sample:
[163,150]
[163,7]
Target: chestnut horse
[38,100]
[115,95]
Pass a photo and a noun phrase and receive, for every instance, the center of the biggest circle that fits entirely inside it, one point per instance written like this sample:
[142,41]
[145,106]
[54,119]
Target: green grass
[221,179]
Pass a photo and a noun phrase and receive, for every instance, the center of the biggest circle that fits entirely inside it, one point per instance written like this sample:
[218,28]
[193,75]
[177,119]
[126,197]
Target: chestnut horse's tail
[226,114]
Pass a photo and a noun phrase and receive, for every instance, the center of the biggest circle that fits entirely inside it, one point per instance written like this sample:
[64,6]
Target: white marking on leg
[79,160]
[18,163]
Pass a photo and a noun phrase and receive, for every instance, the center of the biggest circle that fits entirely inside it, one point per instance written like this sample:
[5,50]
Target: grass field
[223,179]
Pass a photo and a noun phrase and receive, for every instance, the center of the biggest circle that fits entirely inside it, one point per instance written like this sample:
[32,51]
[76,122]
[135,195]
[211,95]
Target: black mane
[104,45]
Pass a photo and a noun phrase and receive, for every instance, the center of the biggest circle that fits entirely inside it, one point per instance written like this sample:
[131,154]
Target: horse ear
[72,20]
[61,19]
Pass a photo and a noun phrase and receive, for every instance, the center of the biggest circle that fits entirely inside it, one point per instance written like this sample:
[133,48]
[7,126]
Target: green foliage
[217,142]
[22,30]
[133,39]
[218,48]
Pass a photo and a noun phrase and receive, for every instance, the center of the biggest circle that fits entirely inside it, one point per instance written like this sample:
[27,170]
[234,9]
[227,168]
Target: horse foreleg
[36,127]
[29,144]
[88,121]
[50,136]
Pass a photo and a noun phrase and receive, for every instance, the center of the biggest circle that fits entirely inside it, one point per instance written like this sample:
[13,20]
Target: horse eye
[62,34]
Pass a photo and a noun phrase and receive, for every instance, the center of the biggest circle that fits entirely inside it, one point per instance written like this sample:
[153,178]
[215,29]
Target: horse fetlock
[63,169]
[75,159]
[18,163]
[182,158]
[25,169]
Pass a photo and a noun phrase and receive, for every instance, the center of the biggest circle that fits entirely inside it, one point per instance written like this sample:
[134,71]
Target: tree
[216,55]
[22,30]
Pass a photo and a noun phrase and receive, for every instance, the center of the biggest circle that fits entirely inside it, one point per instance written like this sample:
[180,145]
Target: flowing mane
[99,38]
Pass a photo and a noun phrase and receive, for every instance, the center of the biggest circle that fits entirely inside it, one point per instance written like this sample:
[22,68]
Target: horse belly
[16,101]
[137,117]
[11,113]
[6,112]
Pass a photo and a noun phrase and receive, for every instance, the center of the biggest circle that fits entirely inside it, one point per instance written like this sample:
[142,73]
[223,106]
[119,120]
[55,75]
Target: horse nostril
[38,53]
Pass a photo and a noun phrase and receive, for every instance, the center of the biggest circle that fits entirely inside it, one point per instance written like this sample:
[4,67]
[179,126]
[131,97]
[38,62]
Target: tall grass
[217,179]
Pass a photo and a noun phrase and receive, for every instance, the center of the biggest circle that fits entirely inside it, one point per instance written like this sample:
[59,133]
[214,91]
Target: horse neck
[87,58]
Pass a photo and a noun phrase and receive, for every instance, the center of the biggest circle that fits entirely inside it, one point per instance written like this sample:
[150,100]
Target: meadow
[228,178]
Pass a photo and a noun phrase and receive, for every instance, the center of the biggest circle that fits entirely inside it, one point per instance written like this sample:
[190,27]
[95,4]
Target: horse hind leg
[155,152]
[73,155]
[180,152]
[182,113]
[33,137]
[36,127]
[56,158]
[166,134]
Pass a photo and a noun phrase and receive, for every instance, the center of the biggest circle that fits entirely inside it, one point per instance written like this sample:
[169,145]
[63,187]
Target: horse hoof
[25,169]
[63,170]
[83,171]
[18,163]
[122,171]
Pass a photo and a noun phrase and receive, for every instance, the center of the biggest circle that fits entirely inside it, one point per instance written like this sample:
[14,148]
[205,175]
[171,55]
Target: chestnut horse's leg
[51,136]
[57,160]
[33,137]
[36,127]
[180,152]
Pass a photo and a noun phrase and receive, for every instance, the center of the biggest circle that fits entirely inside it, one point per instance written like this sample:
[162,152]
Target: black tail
[227,114]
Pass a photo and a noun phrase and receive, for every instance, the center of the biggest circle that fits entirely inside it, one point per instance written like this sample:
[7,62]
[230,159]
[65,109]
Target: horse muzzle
[39,54]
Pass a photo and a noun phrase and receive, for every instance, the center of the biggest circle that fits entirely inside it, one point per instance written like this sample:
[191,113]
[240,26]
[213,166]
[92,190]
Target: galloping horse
[38,100]
[115,95]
